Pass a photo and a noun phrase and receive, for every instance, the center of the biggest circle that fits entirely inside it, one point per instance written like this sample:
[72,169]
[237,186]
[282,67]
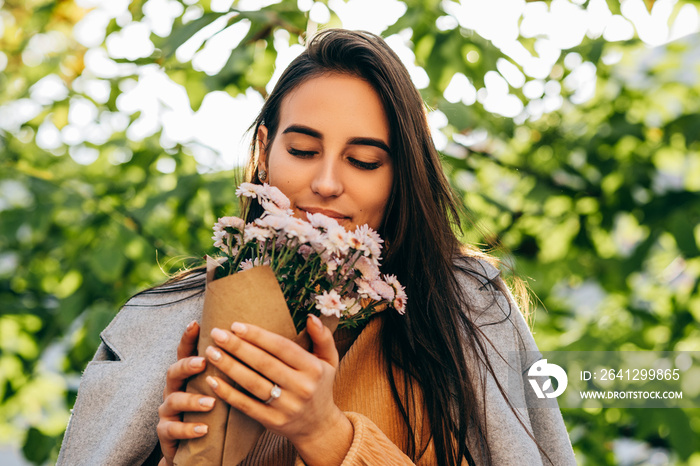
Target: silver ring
[275,393]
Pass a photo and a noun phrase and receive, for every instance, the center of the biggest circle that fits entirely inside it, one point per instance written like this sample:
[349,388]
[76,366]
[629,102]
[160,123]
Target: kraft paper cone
[253,297]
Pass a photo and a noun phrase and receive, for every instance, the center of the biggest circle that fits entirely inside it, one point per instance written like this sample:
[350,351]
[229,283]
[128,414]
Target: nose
[327,180]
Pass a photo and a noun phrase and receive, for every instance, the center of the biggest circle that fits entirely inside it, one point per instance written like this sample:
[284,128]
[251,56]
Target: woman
[343,133]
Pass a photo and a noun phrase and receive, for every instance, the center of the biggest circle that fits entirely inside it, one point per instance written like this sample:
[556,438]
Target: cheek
[374,207]
[283,172]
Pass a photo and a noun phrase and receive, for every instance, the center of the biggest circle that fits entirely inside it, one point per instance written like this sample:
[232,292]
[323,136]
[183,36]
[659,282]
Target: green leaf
[183,33]
[37,446]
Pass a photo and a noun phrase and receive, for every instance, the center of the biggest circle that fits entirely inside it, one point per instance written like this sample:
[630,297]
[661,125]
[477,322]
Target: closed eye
[301,153]
[365,165]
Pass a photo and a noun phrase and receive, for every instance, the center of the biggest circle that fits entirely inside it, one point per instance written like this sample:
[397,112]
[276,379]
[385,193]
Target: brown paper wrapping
[252,297]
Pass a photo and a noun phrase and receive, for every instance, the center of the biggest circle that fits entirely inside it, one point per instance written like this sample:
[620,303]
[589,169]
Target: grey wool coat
[115,415]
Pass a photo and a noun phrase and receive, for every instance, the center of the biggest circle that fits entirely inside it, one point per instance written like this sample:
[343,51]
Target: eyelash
[365,165]
[301,153]
[355,162]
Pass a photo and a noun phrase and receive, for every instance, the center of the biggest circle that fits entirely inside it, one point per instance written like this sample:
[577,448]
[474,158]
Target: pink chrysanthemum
[370,240]
[300,229]
[248,190]
[383,289]
[330,303]
[273,209]
[367,268]
[400,299]
[276,196]
[399,302]
[356,243]
[219,238]
[250,263]
[231,222]
[352,306]
[336,240]
[254,233]
[365,290]
[321,221]
[275,222]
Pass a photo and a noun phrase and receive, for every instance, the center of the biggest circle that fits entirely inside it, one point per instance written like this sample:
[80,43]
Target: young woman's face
[331,151]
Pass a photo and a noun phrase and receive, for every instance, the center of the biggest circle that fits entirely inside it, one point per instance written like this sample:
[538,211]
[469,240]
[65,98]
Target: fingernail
[190,326]
[219,335]
[213,353]
[197,362]
[201,429]
[316,321]
[206,402]
[212,382]
[238,328]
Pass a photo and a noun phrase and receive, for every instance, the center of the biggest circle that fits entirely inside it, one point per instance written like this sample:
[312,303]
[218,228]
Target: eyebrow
[303,130]
[359,141]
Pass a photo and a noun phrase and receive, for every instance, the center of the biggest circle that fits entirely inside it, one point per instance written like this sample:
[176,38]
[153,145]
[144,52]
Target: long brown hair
[428,344]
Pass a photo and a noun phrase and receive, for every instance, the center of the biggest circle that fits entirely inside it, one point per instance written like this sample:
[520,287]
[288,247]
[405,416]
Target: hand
[305,412]
[171,429]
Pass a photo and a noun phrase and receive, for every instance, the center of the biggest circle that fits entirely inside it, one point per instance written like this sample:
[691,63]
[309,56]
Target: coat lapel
[116,412]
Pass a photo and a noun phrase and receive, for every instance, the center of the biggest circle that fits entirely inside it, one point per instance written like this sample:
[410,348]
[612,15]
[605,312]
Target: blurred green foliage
[596,199]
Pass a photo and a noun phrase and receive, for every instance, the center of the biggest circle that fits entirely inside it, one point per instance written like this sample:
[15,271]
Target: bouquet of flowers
[321,267]
[275,271]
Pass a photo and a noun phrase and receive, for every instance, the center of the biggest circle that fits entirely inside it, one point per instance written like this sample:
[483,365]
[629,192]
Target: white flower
[231,222]
[383,289]
[330,303]
[400,302]
[319,245]
[300,229]
[367,268]
[347,270]
[250,263]
[276,222]
[336,240]
[273,209]
[331,266]
[352,306]
[400,299]
[253,233]
[370,240]
[356,243]
[222,239]
[248,190]
[365,290]
[276,196]
[321,221]
[219,238]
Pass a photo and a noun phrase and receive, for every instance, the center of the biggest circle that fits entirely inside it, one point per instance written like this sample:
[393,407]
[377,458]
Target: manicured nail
[213,353]
[197,362]
[219,335]
[190,326]
[316,321]
[201,429]
[239,328]
[212,382]
[206,402]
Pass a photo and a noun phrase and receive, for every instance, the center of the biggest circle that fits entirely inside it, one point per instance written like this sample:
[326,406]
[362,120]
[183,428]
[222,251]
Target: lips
[326,212]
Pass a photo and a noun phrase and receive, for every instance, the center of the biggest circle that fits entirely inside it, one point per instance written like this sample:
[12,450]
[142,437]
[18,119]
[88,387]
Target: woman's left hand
[305,412]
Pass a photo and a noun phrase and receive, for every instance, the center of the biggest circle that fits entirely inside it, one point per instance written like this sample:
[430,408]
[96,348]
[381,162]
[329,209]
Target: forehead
[336,104]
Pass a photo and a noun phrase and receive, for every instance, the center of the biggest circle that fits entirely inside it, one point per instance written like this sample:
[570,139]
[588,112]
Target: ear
[262,146]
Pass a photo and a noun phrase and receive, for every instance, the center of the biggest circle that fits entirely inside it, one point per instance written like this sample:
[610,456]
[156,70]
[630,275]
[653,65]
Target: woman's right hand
[176,401]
